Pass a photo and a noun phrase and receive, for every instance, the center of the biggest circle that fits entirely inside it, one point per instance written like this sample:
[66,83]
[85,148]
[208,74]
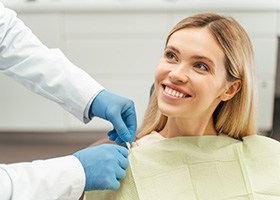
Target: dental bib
[201,168]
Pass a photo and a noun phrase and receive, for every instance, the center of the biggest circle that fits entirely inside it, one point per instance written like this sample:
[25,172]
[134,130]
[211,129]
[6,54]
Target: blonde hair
[234,117]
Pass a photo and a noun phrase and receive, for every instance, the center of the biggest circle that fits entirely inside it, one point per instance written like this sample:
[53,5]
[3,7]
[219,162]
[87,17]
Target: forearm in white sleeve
[58,178]
[44,71]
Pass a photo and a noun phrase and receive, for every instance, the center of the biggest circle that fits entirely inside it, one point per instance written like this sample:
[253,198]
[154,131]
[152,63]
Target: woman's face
[190,78]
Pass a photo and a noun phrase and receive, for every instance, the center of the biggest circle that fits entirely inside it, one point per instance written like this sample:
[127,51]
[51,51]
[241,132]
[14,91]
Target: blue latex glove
[104,166]
[119,111]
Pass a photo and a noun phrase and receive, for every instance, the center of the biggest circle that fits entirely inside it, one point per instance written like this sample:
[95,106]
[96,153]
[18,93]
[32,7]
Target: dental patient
[198,139]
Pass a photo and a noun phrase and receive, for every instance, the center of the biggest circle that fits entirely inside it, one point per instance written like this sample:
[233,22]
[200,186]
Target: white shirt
[49,73]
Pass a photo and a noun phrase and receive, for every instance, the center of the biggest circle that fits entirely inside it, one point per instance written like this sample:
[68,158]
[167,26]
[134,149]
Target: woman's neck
[183,127]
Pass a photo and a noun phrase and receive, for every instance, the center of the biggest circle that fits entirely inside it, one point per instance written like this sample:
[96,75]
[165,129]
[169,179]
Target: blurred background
[119,42]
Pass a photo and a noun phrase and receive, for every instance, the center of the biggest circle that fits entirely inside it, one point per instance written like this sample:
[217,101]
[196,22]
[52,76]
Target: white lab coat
[58,178]
[49,73]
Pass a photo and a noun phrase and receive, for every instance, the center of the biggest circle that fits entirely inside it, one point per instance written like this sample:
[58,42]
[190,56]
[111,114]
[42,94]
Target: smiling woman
[209,59]
[197,71]
[199,133]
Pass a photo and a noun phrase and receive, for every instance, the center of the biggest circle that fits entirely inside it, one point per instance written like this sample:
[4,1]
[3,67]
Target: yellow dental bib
[201,168]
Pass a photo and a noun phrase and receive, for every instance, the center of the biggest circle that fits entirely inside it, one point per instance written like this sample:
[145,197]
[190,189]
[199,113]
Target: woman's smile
[175,93]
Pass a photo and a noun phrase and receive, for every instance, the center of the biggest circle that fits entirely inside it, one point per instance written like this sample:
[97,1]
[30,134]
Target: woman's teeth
[174,93]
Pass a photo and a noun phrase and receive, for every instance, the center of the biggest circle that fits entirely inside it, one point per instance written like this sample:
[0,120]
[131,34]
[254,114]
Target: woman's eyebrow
[203,58]
[172,48]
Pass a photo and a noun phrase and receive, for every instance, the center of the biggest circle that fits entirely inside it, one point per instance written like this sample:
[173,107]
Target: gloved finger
[124,122]
[129,118]
[111,132]
[122,150]
[120,173]
[114,184]
[112,135]
[123,162]
[119,141]
[120,127]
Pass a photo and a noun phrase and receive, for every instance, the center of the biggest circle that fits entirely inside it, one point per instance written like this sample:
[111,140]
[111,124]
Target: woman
[200,121]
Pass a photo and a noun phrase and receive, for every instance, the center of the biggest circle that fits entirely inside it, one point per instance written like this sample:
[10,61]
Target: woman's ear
[232,89]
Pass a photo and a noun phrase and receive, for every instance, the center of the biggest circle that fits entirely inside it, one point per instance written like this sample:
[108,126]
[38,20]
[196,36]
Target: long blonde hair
[234,117]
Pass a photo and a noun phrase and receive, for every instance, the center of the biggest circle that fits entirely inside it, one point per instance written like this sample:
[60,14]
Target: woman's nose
[178,75]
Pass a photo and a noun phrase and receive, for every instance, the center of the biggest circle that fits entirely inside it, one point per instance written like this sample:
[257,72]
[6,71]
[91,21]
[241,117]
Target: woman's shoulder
[260,139]
[261,146]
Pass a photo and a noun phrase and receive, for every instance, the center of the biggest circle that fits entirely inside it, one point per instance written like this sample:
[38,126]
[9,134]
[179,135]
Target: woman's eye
[201,66]
[170,55]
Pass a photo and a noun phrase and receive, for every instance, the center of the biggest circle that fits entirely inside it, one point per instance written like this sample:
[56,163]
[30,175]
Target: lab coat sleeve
[44,71]
[58,178]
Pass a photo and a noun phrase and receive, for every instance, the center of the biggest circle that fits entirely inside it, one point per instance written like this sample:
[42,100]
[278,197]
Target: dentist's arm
[95,168]
[49,73]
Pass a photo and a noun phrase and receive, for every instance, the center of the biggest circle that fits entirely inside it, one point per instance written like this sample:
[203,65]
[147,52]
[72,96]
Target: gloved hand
[119,111]
[104,166]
